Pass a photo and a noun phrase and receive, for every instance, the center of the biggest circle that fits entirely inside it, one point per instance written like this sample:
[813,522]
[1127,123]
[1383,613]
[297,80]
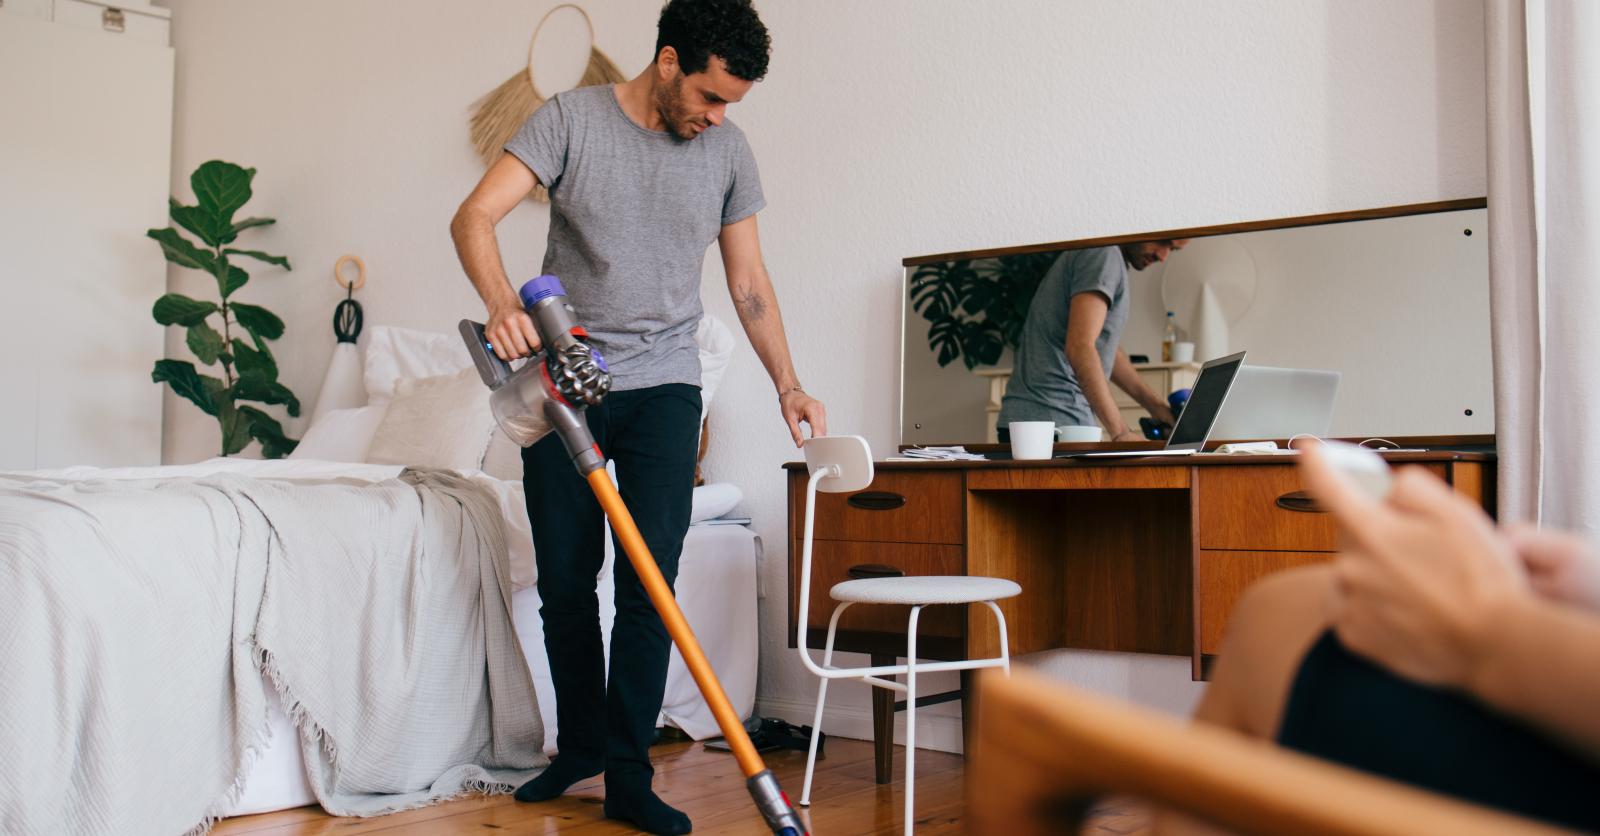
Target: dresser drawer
[1221,578]
[831,561]
[1263,508]
[911,506]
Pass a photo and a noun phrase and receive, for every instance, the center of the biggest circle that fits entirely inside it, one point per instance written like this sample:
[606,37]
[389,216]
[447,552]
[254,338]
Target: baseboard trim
[939,732]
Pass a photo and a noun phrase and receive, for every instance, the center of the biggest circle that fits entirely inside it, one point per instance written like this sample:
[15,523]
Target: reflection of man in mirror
[1070,354]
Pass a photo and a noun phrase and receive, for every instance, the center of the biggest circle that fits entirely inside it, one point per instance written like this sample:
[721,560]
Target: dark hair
[728,29]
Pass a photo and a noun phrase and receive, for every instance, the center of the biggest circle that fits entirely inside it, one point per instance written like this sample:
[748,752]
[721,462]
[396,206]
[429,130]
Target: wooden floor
[709,788]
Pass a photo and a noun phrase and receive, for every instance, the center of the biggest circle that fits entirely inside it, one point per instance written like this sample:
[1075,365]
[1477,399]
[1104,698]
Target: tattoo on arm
[751,305]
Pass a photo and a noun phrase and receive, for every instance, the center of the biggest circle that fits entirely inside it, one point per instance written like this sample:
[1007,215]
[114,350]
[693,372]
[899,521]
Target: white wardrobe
[86,126]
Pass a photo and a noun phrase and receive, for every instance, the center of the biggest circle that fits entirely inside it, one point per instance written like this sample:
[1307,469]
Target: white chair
[843,464]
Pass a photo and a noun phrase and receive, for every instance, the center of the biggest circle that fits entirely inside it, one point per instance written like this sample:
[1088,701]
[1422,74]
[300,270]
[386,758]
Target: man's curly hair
[728,29]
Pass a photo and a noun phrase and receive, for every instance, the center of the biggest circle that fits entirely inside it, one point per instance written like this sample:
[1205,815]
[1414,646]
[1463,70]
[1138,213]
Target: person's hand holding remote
[1423,571]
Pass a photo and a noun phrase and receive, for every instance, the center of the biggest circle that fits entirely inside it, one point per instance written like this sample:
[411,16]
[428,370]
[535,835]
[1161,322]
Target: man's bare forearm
[757,306]
[1128,380]
[1096,389]
[479,252]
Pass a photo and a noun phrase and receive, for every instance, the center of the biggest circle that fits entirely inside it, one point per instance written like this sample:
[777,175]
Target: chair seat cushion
[924,589]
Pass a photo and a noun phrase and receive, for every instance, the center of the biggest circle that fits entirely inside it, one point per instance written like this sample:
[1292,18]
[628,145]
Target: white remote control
[1366,469]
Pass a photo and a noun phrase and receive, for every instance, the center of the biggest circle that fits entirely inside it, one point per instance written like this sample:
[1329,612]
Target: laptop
[1209,393]
[1269,402]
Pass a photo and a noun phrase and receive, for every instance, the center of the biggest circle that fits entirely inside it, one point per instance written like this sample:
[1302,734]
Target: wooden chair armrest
[1043,751]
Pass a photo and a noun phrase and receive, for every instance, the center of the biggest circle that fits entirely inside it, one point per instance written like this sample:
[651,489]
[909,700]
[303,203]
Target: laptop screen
[1205,402]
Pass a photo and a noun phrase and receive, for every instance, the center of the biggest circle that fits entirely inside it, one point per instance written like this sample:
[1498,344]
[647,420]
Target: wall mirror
[1395,299]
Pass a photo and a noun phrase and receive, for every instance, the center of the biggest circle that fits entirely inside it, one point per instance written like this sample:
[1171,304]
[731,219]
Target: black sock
[562,773]
[633,801]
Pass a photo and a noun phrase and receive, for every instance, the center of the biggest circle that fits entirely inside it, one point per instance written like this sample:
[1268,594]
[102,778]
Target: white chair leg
[1005,646]
[811,751]
[911,716]
[822,698]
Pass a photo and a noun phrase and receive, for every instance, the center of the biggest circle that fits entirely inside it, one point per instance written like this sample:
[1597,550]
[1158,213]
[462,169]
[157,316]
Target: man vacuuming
[643,177]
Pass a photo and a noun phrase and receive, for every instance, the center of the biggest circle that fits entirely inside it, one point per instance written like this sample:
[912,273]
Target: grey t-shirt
[632,212]
[1043,386]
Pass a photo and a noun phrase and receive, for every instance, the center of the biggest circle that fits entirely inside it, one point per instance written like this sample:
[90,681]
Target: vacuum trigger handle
[494,371]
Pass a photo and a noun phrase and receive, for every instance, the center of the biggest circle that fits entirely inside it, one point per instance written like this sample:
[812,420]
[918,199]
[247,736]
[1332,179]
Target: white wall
[884,130]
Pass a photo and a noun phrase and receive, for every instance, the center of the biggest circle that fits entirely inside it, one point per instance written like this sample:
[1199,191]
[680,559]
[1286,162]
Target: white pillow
[395,354]
[441,421]
[714,500]
[340,435]
[716,343]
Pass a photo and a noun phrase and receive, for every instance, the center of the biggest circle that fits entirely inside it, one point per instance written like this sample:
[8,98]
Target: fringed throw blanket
[136,618]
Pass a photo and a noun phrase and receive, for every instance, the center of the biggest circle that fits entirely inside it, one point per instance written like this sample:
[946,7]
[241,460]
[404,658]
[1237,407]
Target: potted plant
[976,308]
[249,372]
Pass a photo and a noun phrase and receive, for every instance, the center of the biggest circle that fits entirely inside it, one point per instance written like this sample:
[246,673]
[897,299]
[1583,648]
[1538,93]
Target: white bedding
[141,613]
[716,589]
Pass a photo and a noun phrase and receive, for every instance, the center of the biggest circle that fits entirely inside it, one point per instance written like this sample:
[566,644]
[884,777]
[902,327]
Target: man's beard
[669,104]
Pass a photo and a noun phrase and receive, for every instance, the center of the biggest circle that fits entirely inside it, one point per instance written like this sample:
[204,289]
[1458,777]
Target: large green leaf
[266,429]
[235,431]
[944,338]
[252,388]
[198,221]
[177,309]
[184,380]
[260,322]
[205,342]
[981,343]
[221,394]
[181,251]
[261,256]
[253,363]
[221,188]
[932,294]
[250,222]
[235,278]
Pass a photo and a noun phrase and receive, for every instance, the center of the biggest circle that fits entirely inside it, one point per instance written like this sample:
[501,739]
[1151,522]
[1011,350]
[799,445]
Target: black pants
[1345,709]
[653,436]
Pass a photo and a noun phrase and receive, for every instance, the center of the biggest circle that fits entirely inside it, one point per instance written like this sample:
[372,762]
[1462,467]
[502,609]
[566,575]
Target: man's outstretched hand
[797,406]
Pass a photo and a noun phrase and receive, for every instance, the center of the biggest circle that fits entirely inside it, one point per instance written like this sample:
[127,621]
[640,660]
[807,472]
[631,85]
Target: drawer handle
[876,501]
[1299,501]
[874,570]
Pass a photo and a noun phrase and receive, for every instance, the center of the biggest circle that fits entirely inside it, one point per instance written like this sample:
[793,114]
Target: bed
[279,753]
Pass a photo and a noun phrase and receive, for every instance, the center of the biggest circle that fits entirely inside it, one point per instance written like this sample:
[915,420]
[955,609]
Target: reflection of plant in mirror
[249,372]
[976,308]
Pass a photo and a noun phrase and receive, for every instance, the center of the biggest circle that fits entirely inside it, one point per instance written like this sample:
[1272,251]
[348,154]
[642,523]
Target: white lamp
[1210,326]
[342,386]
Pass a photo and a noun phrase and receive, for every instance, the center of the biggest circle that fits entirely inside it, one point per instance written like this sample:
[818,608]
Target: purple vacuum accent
[541,288]
[599,361]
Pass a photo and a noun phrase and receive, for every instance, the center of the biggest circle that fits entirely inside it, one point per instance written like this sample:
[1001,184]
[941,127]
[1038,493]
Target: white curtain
[1544,256]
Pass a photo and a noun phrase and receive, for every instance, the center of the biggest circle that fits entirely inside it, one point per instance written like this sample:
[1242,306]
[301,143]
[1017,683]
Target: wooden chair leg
[882,725]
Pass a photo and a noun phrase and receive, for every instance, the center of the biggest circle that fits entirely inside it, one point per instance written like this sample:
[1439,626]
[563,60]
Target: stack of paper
[943,454]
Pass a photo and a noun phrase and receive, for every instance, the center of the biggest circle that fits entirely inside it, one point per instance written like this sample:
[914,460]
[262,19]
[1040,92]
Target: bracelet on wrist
[795,388]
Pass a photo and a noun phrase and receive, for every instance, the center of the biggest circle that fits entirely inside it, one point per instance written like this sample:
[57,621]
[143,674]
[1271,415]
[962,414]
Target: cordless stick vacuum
[550,392]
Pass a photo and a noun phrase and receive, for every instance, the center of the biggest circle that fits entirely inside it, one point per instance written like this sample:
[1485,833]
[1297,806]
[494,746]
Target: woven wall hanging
[497,116]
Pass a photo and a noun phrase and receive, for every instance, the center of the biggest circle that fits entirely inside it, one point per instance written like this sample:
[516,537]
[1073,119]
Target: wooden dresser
[1144,555]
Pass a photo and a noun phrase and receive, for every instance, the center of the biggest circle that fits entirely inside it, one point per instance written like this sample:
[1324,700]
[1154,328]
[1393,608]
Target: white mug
[1077,432]
[1032,439]
[1183,352]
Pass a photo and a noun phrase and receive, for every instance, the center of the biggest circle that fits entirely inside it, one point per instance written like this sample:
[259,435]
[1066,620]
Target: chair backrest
[848,453]
[838,464]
